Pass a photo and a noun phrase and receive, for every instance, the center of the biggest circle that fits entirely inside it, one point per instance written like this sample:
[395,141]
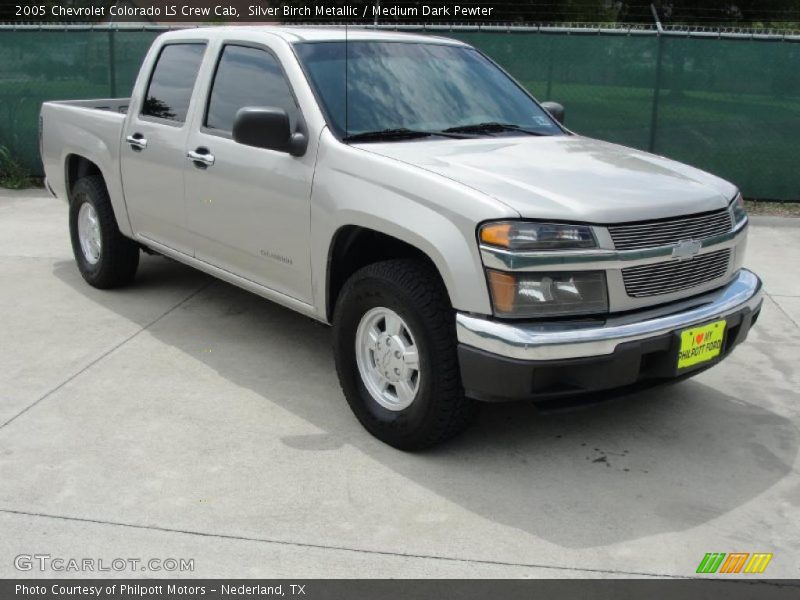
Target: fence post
[651,146]
[112,61]
[548,95]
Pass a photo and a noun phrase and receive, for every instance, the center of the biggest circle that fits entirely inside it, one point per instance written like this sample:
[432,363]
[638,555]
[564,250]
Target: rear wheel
[395,349]
[105,257]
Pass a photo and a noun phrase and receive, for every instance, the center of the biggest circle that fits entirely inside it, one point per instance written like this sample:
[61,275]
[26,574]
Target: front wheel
[395,350]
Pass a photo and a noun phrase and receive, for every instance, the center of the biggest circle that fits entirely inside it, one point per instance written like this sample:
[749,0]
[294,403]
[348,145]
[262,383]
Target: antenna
[346,91]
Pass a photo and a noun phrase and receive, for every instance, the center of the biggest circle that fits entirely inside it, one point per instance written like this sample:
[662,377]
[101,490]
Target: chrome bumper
[550,340]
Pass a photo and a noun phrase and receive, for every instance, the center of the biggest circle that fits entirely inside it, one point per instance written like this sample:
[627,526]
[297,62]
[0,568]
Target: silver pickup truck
[463,243]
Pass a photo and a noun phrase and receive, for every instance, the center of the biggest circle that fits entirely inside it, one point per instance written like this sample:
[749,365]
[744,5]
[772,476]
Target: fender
[353,186]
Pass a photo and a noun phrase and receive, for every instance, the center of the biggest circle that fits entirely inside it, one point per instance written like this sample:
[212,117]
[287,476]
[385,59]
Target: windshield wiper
[490,127]
[396,134]
[387,134]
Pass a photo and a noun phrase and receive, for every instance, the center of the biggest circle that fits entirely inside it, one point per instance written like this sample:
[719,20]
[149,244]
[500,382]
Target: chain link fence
[729,104]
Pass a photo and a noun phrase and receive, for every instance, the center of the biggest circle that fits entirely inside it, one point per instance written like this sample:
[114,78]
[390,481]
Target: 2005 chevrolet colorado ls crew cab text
[462,242]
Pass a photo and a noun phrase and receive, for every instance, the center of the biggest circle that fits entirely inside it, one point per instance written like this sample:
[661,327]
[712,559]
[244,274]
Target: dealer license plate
[700,344]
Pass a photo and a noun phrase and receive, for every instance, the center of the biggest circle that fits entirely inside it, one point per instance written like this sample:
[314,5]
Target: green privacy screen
[729,106]
[41,65]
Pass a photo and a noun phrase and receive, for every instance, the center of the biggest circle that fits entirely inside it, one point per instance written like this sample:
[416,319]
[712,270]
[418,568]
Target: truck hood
[567,177]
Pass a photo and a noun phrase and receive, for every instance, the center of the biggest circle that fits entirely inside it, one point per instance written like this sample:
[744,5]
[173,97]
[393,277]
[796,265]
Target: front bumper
[513,360]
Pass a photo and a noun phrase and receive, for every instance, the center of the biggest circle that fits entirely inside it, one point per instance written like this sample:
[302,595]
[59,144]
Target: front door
[153,153]
[249,208]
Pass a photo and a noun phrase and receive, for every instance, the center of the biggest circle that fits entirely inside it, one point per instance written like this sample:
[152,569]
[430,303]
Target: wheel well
[78,167]
[356,247]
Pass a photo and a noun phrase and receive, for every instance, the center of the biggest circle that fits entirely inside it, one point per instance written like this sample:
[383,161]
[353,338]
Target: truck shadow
[658,461]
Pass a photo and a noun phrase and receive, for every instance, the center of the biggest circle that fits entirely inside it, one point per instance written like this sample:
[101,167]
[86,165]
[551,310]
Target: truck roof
[292,34]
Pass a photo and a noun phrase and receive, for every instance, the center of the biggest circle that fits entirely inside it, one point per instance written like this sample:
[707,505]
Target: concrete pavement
[185,418]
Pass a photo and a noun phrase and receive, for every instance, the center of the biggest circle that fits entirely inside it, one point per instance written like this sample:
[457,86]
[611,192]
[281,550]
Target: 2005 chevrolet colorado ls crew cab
[405,189]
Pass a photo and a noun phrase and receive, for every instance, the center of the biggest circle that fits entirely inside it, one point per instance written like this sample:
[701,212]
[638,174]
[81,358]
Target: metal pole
[112,61]
[549,93]
[655,16]
[651,146]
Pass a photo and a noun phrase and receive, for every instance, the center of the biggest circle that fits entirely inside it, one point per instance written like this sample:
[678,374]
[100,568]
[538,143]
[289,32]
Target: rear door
[249,207]
[153,152]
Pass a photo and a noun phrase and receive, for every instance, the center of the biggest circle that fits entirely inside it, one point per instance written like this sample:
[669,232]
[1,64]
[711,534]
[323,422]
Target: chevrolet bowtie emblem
[686,249]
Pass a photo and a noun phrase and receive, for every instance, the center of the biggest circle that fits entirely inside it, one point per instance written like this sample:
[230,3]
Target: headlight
[522,235]
[737,209]
[538,294]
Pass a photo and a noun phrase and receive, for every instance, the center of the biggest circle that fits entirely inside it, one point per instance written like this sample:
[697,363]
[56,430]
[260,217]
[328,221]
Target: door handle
[201,155]
[137,140]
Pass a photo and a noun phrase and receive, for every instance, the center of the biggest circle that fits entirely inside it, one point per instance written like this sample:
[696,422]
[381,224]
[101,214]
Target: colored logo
[735,562]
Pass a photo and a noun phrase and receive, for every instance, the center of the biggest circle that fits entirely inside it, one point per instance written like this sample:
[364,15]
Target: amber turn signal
[504,290]
[496,234]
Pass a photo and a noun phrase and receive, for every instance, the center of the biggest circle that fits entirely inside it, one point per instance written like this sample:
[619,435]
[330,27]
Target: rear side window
[170,89]
[247,77]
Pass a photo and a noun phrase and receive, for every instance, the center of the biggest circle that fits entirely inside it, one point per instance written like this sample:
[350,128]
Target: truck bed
[118,105]
[91,129]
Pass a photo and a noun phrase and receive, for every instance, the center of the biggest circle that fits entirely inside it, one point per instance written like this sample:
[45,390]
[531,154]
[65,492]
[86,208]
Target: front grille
[675,275]
[651,234]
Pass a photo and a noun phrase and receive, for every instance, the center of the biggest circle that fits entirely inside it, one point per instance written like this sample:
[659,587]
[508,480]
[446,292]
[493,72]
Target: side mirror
[555,109]
[268,127]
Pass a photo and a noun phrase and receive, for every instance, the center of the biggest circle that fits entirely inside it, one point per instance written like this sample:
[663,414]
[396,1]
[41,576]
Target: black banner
[343,589]
[320,11]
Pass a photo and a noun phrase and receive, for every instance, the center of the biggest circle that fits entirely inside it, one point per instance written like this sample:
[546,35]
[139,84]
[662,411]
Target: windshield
[418,88]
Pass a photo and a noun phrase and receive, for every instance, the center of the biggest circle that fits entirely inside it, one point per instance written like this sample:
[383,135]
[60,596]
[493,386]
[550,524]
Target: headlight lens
[737,209]
[522,235]
[548,294]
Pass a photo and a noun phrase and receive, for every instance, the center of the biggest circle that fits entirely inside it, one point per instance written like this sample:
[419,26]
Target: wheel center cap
[389,351]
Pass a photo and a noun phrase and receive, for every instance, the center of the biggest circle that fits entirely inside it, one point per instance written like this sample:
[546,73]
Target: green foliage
[12,174]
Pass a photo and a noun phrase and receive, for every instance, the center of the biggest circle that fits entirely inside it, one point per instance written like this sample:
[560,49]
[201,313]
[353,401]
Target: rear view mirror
[555,109]
[268,127]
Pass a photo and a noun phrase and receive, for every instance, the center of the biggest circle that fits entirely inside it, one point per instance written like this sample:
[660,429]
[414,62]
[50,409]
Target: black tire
[414,291]
[119,256]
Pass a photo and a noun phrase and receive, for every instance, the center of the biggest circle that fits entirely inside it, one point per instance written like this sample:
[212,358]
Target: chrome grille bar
[633,236]
[673,276]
